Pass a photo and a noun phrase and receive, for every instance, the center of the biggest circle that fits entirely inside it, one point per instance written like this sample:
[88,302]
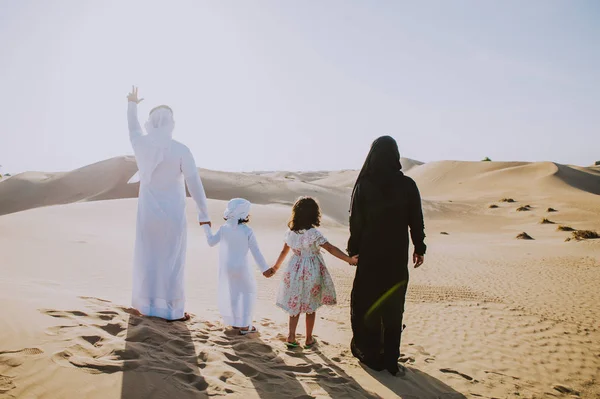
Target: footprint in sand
[26,351]
[92,340]
[267,323]
[90,364]
[16,358]
[107,315]
[422,350]
[86,335]
[63,314]
[451,371]
[113,329]
[201,336]
[497,373]
[6,384]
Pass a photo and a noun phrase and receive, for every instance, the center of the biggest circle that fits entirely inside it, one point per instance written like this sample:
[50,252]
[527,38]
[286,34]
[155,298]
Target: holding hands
[270,272]
[352,261]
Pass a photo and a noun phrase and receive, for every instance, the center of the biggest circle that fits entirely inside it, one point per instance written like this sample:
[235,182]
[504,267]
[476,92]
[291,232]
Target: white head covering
[237,209]
[159,129]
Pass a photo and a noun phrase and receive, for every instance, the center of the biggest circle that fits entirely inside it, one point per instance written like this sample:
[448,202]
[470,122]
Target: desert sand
[488,315]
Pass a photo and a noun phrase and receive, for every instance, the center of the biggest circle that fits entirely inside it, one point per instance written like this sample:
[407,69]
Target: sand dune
[491,179]
[487,315]
[108,180]
[347,178]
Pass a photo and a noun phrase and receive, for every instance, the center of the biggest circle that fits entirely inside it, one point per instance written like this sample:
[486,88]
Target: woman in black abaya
[385,204]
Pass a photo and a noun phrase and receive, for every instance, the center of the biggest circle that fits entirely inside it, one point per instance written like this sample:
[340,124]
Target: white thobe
[237,286]
[161,235]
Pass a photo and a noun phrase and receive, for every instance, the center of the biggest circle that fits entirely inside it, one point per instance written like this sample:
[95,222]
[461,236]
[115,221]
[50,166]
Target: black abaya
[383,210]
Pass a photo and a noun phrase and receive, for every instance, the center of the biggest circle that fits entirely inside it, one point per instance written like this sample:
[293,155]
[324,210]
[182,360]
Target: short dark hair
[242,221]
[306,214]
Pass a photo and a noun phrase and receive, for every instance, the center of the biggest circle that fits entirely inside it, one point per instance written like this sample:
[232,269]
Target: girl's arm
[211,239]
[357,221]
[335,251]
[282,255]
[256,254]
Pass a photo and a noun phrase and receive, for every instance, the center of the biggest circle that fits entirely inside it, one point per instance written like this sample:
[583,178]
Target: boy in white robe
[237,286]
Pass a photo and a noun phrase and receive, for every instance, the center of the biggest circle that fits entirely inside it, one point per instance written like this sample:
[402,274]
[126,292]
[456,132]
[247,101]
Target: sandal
[186,317]
[250,330]
[292,345]
[313,343]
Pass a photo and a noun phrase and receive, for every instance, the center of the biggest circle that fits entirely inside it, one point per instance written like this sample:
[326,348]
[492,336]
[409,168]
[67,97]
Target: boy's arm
[211,239]
[256,254]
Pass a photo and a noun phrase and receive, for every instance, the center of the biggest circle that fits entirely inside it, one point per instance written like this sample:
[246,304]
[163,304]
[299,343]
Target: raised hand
[133,96]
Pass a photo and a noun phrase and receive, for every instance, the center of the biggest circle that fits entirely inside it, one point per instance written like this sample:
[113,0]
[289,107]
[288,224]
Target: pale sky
[301,85]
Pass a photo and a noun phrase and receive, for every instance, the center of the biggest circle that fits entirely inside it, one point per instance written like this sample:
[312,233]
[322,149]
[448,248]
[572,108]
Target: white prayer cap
[237,209]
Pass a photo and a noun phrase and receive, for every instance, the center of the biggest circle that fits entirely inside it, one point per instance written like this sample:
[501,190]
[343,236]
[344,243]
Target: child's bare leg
[293,324]
[310,325]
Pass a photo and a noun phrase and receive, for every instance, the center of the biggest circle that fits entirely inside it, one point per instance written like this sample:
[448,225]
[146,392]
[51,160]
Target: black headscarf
[381,165]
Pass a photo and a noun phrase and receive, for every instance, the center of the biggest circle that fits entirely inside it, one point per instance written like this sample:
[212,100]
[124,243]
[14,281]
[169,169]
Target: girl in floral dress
[306,283]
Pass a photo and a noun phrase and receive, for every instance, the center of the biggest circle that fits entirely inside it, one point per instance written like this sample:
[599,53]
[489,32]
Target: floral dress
[306,283]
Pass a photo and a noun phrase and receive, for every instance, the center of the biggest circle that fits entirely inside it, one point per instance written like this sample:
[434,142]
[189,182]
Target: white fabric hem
[163,313]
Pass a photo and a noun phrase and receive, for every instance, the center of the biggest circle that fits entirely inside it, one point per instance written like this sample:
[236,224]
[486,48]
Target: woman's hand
[353,260]
[418,259]
[133,96]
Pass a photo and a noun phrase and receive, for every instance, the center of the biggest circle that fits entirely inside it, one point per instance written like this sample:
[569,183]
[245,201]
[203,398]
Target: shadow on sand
[158,359]
[261,364]
[339,384]
[166,359]
[415,385]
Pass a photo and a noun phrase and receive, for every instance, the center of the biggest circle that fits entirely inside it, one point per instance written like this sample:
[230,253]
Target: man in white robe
[161,235]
